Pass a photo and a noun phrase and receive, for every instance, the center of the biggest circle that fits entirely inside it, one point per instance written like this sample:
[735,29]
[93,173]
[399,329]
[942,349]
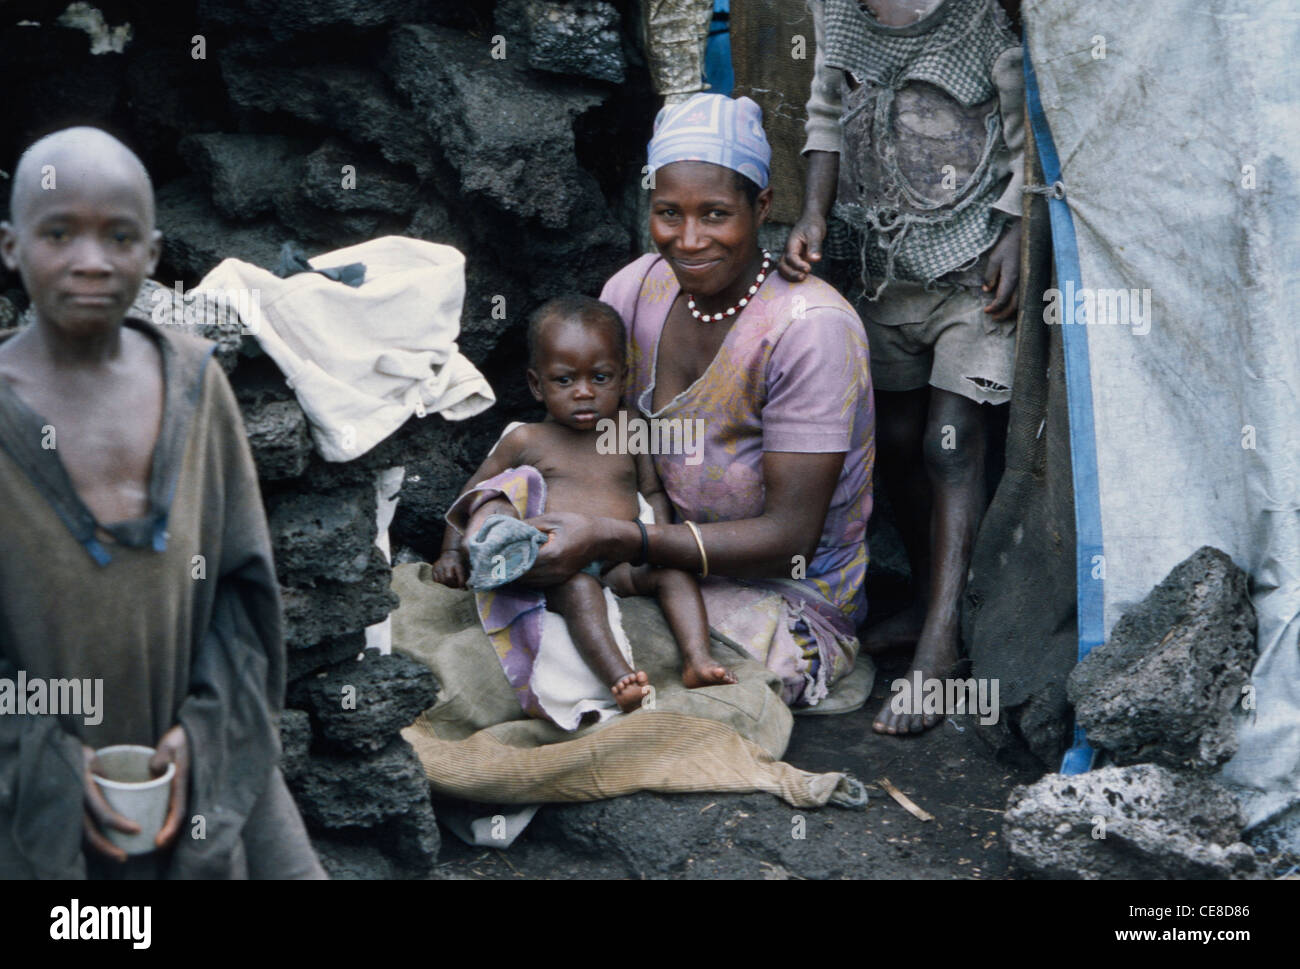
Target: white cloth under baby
[564,684]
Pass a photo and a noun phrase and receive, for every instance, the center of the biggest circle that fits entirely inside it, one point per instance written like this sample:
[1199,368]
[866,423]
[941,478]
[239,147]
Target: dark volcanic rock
[295,741]
[260,380]
[246,173]
[652,834]
[51,79]
[1141,821]
[511,141]
[363,703]
[333,608]
[330,475]
[195,238]
[277,432]
[376,185]
[170,93]
[431,485]
[824,852]
[303,661]
[350,100]
[358,859]
[349,791]
[1163,688]
[495,309]
[377,805]
[578,37]
[327,229]
[322,536]
[432,222]
[674,835]
[286,17]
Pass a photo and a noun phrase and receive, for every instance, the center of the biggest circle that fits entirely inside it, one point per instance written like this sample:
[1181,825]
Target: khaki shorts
[954,346]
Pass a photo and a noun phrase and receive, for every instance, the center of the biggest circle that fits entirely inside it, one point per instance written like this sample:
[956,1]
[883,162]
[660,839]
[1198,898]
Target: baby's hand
[451,568]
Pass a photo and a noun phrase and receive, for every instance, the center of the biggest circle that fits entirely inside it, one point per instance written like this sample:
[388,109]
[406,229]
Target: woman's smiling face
[706,228]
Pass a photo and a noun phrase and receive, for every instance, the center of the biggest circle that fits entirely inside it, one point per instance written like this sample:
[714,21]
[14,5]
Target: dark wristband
[645,544]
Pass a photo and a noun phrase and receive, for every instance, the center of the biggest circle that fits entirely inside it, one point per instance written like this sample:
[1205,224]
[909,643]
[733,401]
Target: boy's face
[82,247]
[578,374]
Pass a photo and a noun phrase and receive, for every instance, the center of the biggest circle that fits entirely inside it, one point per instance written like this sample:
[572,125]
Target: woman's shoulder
[822,295]
[647,281]
[813,302]
[625,283]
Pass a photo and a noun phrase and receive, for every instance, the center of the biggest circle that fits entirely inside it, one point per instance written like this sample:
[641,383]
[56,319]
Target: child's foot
[935,657]
[630,690]
[899,630]
[705,674]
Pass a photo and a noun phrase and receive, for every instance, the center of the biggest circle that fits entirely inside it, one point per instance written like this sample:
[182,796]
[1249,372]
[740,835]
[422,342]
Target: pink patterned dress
[792,375]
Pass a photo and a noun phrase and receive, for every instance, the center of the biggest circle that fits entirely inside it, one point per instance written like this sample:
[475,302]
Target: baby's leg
[581,601]
[679,597]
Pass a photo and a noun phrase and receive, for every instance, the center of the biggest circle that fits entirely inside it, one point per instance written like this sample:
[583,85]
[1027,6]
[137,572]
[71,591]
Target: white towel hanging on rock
[363,359]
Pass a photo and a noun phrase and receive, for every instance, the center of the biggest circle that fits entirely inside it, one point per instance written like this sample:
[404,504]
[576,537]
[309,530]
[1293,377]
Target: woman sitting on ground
[772,511]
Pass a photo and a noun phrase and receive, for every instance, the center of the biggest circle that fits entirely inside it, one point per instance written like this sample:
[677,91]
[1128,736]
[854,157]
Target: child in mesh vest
[915,150]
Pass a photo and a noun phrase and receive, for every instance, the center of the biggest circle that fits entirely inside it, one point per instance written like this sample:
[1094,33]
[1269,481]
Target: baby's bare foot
[630,690]
[706,674]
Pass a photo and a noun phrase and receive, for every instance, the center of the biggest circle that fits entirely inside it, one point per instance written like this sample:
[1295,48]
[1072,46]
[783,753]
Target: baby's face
[579,374]
[82,247]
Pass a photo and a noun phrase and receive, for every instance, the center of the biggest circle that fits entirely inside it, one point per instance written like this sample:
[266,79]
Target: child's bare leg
[679,597]
[900,432]
[957,477]
[581,601]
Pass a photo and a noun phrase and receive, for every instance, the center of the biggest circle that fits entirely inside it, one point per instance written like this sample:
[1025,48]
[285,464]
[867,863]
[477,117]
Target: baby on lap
[576,350]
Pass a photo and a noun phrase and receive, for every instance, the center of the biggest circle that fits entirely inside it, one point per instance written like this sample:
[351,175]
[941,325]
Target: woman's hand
[451,569]
[572,540]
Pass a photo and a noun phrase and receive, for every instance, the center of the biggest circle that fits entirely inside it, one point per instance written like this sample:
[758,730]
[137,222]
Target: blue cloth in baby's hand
[503,550]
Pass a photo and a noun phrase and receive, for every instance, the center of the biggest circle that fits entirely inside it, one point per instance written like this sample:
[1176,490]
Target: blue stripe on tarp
[1089,563]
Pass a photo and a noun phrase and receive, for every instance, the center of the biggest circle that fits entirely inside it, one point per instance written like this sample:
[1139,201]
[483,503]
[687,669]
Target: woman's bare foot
[899,630]
[935,657]
[705,674]
[630,690]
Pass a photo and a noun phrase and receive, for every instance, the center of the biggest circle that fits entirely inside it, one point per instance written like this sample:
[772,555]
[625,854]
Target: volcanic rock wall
[513,131]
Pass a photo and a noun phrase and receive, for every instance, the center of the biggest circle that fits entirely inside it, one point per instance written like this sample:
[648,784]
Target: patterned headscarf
[713,128]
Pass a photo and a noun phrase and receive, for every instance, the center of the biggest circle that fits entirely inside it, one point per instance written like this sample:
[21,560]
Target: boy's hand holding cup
[135,796]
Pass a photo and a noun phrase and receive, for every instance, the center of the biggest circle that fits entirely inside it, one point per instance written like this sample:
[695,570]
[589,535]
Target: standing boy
[134,552]
[915,132]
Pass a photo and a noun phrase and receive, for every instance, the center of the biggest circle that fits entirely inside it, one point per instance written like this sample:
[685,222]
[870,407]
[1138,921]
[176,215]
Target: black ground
[949,772]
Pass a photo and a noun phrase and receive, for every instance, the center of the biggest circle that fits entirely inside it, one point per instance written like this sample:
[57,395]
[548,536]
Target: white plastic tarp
[1175,124]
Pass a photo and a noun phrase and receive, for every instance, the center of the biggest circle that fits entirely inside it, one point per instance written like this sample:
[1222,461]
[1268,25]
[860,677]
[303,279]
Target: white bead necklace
[744,300]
